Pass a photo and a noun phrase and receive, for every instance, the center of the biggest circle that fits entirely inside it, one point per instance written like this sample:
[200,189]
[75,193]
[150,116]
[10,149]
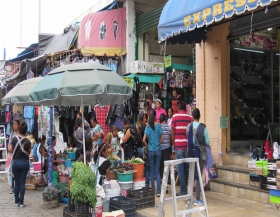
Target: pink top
[159,112]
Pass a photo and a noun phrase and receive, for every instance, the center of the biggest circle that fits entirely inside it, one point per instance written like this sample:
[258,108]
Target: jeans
[20,169]
[154,160]
[140,152]
[183,170]
[147,176]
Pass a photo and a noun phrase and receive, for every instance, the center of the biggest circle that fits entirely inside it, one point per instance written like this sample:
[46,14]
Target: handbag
[203,151]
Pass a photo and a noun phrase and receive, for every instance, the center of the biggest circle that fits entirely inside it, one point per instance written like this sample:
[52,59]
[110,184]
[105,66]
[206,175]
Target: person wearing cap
[159,110]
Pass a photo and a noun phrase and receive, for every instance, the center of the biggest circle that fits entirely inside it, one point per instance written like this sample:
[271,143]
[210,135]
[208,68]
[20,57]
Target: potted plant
[82,187]
[138,166]
[51,197]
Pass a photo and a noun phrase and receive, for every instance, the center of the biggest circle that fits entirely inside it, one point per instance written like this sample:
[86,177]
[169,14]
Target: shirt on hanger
[46,71]
[28,112]
[101,115]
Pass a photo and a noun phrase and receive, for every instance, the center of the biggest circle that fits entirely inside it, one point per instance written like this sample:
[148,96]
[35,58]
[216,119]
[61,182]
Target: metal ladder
[169,167]
[4,148]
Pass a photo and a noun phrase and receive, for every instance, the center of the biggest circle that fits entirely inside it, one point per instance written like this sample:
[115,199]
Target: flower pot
[71,155]
[139,168]
[125,177]
[68,164]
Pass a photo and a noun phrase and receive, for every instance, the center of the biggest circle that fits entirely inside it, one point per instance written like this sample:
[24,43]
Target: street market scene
[140,108]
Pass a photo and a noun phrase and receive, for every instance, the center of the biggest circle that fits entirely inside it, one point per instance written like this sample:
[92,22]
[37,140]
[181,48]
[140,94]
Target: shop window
[254,89]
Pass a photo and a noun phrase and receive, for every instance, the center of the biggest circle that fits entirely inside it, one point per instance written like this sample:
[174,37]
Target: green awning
[149,78]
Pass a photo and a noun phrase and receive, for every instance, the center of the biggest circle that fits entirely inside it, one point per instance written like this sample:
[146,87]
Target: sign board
[129,81]
[167,61]
[224,122]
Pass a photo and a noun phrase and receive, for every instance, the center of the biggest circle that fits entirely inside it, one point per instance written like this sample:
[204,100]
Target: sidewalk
[219,205]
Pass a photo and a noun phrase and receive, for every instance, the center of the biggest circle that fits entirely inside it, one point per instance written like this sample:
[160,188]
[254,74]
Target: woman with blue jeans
[21,148]
[154,134]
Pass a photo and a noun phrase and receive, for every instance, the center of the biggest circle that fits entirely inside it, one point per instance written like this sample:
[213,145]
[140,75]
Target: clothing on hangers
[46,70]
[101,115]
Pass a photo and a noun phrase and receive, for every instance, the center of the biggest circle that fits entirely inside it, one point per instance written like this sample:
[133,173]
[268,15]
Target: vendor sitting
[88,147]
[104,150]
[54,155]
[112,139]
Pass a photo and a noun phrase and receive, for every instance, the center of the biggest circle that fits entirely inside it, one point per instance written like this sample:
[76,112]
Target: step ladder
[169,167]
[4,146]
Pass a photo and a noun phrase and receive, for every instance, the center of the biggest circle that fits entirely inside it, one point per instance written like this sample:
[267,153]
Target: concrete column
[212,65]
[130,34]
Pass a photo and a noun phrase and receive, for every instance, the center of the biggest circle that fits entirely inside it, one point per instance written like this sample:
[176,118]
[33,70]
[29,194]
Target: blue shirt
[153,137]
[99,130]
[195,126]
[35,152]
[28,112]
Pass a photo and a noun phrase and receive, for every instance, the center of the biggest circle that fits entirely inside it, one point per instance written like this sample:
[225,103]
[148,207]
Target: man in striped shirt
[179,139]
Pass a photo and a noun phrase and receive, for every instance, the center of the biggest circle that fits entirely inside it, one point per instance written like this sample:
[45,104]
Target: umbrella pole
[50,169]
[84,146]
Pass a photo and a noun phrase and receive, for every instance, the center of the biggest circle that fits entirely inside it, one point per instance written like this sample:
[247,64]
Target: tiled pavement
[219,205]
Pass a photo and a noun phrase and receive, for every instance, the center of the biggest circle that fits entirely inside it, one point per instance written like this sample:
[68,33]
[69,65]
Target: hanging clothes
[46,70]
[101,115]
[29,114]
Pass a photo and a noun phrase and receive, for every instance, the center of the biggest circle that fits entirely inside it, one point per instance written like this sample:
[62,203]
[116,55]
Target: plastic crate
[254,178]
[275,193]
[128,205]
[144,197]
[67,213]
[71,205]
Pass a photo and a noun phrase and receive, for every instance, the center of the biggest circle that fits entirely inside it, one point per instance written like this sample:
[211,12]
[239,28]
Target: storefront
[237,67]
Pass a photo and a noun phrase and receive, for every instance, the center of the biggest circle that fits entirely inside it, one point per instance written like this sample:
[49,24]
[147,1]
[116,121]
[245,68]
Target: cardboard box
[158,68]
[256,171]
[118,213]
[252,164]
[137,67]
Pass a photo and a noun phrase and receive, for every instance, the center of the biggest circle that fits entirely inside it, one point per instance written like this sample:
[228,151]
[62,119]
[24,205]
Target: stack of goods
[258,169]
[271,176]
[274,192]
[138,177]
[125,176]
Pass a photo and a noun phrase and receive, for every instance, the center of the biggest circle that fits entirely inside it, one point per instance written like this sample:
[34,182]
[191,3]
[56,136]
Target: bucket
[112,193]
[55,180]
[63,178]
[37,166]
[126,185]
[68,164]
[106,205]
[98,210]
[125,177]
[55,174]
[64,200]
[71,155]
[139,184]
[139,171]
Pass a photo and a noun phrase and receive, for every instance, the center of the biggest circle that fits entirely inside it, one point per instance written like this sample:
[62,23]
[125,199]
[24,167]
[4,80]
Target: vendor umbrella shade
[20,93]
[95,83]
[81,84]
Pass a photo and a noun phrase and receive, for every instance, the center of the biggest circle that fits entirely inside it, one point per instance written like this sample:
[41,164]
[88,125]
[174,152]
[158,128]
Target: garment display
[29,75]
[101,115]
[28,112]
[8,116]
[17,108]
[30,124]
[47,70]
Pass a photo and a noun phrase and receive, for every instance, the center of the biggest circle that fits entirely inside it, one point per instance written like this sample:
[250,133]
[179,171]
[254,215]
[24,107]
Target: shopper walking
[14,133]
[165,145]
[154,134]
[21,148]
[198,139]
[179,125]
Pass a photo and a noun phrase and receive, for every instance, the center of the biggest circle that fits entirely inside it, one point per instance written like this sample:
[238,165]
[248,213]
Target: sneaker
[12,191]
[180,194]
[16,204]
[198,202]
[158,195]
[22,205]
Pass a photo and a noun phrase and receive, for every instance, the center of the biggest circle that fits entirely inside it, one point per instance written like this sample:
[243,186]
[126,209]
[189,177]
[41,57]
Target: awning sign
[129,81]
[182,16]
[167,61]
